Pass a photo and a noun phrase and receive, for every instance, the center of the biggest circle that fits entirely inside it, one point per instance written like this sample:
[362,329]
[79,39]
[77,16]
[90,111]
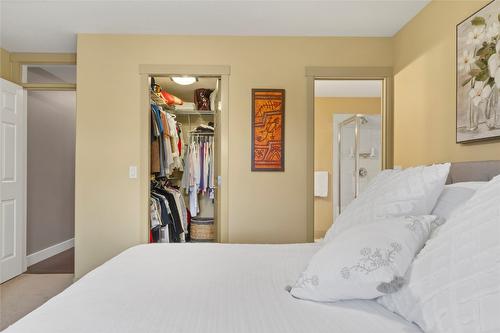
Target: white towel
[321,184]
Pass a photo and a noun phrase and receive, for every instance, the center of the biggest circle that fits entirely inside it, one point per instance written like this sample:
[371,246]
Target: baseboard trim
[49,252]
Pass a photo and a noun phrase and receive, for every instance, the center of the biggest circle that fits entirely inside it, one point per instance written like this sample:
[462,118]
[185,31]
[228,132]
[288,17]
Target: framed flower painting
[478,75]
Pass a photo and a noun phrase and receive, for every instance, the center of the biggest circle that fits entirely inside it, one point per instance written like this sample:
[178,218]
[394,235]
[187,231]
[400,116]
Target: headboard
[473,171]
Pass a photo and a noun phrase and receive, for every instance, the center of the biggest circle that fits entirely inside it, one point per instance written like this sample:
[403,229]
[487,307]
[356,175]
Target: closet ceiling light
[184,80]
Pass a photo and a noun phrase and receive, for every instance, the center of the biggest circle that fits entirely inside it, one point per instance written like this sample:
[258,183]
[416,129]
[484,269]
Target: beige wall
[263,206]
[51,168]
[424,95]
[324,109]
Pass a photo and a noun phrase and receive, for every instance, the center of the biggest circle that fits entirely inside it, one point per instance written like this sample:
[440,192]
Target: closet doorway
[349,130]
[185,125]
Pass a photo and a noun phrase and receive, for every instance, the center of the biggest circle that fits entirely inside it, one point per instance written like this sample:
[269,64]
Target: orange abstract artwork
[268,131]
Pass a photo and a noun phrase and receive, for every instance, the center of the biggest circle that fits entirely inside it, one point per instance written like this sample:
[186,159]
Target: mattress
[209,288]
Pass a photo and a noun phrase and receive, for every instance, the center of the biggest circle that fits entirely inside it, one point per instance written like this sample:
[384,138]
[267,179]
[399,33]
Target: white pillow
[454,282]
[450,199]
[413,191]
[364,262]
[471,185]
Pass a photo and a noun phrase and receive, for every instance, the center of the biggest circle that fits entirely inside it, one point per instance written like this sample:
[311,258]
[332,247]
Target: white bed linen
[219,288]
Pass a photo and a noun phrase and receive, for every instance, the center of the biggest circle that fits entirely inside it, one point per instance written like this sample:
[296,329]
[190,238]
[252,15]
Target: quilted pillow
[452,197]
[413,191]
[454,282]
[364,262]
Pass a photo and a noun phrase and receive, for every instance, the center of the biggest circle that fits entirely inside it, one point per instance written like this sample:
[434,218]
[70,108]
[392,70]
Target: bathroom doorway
[348,150]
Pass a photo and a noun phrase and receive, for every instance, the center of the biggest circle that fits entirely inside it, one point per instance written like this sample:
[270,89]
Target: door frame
[385,74]
[222,71]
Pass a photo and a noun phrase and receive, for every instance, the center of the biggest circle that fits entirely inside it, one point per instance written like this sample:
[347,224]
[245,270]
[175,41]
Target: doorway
[51,136]
[43,160]
[50,181]
[347,144]
[315,147]
[212,202]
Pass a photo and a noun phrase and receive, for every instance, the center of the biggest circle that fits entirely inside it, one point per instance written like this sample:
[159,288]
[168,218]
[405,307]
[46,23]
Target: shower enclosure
[357,157]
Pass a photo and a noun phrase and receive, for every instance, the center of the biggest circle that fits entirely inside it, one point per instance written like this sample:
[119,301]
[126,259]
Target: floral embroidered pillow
[365,261]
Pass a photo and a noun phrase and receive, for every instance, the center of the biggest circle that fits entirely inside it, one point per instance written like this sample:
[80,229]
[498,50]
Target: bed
[203,288]
[212,288]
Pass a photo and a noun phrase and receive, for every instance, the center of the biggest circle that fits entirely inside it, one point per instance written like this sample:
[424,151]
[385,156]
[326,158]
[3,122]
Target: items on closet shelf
[202,98]
[163,96]
[169,217]
[198,176]
[171,99]
[166,142]
[186,106]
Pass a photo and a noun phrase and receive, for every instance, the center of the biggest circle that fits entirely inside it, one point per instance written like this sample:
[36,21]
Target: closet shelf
[193,112]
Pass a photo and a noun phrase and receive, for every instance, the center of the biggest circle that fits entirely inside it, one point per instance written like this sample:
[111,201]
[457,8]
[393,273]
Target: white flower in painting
[493,30]
[466,60]
[479,92]
[497,78]
[494,66]
[493,63]
[476,36]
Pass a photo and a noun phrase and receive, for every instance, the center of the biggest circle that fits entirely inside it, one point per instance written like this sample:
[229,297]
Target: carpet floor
[26,292]
[62,263]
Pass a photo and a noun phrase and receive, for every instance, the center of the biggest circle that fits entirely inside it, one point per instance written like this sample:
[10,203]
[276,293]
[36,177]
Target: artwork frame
[478,75]
[268,130]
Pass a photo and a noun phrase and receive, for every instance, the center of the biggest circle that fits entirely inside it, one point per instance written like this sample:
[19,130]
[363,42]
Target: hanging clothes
[168,213]
[198,169]
[166,145]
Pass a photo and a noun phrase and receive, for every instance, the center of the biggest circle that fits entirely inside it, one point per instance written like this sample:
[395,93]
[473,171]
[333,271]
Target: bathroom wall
[324,109]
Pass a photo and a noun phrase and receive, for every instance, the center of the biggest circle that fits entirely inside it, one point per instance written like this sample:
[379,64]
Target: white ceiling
[348,88]
[52,25]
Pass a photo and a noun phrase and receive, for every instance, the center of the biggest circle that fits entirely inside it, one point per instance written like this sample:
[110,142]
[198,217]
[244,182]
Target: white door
[12,180]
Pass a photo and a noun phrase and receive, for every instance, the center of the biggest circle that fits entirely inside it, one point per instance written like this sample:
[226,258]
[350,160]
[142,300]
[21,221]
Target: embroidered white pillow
[413,191]
[365,261]
[454,282]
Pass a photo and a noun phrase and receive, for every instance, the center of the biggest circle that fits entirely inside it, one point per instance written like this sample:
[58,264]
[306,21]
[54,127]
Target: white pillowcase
[450,199]
[454,282]
[413,191]
[365,261]
[471,185]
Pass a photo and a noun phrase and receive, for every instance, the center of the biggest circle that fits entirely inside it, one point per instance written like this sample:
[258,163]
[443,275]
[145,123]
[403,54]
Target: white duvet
[209,288]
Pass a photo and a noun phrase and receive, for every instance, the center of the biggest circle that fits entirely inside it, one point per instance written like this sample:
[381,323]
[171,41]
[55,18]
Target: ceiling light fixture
[184,80]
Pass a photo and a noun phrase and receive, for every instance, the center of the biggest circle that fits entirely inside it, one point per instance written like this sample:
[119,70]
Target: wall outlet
[132,172]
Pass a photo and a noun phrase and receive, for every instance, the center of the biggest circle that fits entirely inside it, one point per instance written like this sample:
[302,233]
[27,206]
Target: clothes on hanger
[199,169]
[166,143]
[168,214]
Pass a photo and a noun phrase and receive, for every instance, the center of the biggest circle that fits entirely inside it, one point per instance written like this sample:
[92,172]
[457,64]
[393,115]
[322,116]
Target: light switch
[132,172]
[219,180]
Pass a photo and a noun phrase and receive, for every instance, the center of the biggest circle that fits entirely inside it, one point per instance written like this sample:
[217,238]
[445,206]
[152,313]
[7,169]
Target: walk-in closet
[184,170]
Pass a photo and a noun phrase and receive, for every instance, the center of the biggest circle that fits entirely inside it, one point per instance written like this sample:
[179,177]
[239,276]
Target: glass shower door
[369,144]
[359,160]
[347,162]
